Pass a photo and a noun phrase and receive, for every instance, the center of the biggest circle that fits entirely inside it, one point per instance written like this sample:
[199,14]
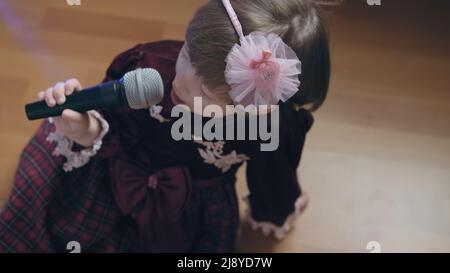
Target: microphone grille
[143,88]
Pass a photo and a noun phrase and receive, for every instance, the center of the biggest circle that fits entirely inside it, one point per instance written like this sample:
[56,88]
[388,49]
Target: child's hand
[81,128]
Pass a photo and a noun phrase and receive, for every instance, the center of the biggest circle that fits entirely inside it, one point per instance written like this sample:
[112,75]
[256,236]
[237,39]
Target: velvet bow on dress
[155,200]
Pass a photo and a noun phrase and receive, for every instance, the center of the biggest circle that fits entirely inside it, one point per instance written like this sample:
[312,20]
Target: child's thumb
[71,116]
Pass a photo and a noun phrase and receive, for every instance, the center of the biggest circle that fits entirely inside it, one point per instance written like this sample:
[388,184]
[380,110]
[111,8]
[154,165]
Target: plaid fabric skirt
[49,208]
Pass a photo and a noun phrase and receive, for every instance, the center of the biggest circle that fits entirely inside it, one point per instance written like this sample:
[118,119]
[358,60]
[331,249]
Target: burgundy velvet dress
[143,191]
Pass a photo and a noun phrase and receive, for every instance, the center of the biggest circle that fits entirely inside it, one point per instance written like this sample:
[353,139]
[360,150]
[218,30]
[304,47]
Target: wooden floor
[377,162]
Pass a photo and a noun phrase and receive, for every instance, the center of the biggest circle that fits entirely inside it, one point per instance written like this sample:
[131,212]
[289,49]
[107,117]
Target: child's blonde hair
[299,23]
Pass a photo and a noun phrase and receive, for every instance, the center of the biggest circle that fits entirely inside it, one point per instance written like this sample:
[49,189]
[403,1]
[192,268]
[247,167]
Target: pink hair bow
[262,69]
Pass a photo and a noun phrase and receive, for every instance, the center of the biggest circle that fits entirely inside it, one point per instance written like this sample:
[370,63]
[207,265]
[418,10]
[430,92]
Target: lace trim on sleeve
[80,158]
[267,227]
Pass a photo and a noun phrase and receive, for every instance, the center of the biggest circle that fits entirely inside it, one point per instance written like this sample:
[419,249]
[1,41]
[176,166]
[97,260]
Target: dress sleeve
[274,200]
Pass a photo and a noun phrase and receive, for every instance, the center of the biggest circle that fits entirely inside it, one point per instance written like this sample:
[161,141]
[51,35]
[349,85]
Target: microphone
[138,89]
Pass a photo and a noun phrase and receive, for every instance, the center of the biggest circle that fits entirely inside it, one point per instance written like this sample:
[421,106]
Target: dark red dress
[143,191]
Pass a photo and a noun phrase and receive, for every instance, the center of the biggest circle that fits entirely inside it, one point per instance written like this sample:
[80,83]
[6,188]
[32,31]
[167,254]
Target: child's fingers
[41,95]
[49,99]
[58,93]
[71,86]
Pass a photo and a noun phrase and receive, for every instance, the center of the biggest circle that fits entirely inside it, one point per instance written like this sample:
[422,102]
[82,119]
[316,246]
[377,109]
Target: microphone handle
[107,95]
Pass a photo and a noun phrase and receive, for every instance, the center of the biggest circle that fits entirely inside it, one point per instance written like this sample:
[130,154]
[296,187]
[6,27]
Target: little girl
[117,181]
